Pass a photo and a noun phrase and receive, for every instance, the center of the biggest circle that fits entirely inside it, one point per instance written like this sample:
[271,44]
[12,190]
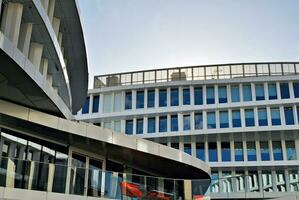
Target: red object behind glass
[130,189]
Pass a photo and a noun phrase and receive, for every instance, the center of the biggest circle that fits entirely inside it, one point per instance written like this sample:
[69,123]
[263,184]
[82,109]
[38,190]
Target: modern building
[242,119]
[44,152]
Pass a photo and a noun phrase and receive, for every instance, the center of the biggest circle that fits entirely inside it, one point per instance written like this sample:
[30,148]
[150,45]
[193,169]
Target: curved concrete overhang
[141,154]
[22,83]
[74,50]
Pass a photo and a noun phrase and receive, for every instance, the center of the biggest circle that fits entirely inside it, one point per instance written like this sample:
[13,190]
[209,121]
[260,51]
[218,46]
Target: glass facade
[296,89]
[291,150]
[247,96]
[95,104]
[236,118]
[174,97]
[129,127]
[222,94]
[249,118]
[198,123]
[186,96]
[265,153]
[289,116]
[128,101]
[239,153]
[139,128]
[151,98]
[275,117]
[174,123]
[277,150]
[210,95]
[151,125]
[225,151]
[224,119]
[198,96]
[211,120]
[162,98]
[262,116]
[212,148]
[251,151]
[272,91]
[259,92]
[85,108]
[284,90]
[162,124]
[200,151]
[186,122]
[235,93]
[140,99]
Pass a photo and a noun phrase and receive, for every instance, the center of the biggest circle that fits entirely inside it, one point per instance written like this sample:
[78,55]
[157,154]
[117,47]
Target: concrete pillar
[35,54]
[56,25]
[50,79]
[25,37]
[187,189]
[134,94]
[51,8]
[45,4]
[44,67]
[11,21]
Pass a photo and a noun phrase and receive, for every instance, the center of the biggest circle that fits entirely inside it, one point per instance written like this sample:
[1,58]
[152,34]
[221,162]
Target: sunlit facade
[241,119]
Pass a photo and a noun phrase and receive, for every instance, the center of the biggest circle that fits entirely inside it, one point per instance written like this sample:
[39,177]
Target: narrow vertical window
[235,93]
[210,95]
[284,90]
[198,98]
[212,147]
[296,89]
[225,151]
[272,91]
[211,120]
[262,116]
[174,97]
[174,122]
[151,98]
[289,116]
[259,92]
[198,121]
[128,100]
[163,124]
[85,108]
[187,148]
[265,153]
[200,151]
[162,98]
[139,128]
[140,99]
[223,119]
[251,151]
[186,122]
[95,104]
[277,150]
[291,150]
[275,117]
[222,94]
[239,153]
[236,118]
[186,96]
[151,125]
[247,95]
[129,127]
[249,118]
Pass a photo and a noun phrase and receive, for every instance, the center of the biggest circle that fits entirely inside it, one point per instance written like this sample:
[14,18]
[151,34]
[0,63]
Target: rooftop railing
[207,72]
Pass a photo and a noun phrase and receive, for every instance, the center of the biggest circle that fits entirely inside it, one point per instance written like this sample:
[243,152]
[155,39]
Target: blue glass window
[235,93]
[85,108]
[272,91]
[186,96]
[128,100]
[210,95]
[198,121]
[162,98]
[225,151]
[251,151]
[129,127]
[262,114]
[198,99]
[275,116]
[222,93]
[163,124]
[236,118]
[139,126]
[200,151]
[186,122]
[265,153]
[247,96]
[174,123]
[223,119]
[249,118]
[289,116]
[277,150]
[140,99]
[284,90]
[239,153]
[151,98]
[211,120]
[296,89]
[259,92]
[187,148]
[95,104]
[291,150]
[174,97]
[151,125]
[212,152]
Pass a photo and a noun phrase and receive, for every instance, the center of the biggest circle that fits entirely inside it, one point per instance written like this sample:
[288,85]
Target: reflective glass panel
[139,128]
[187,148]
[151,125]
[211,120]
[129,127]
[265,153]
[296,89]
[186,122]
[186,96]
[95,104]
[174,97]
[275,116]
[259,92]
[198,121]
[289,116]
[85,108]
[277,150]
[198,99]
[291,150]
[236,118]
[151,98]
[174,123]
[249,117]
[223,119]
[162,124]
[272,91]
[162,98]
[212,152]
[222,94]
[128,100]
[284,90]
[239,153]
[225,151]
[200,151]
[247,96]
[140,99]
[235,93]
[251,151]
[210,95]
[262,115]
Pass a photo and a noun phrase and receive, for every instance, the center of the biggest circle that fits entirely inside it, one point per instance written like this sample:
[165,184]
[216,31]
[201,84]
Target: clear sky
[129,35]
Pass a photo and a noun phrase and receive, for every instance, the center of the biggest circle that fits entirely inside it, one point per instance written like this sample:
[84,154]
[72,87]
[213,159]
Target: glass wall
[129,127]
[296,89]
[289,116]
[275,117]
[291,150]
[249,117]
[198,123]
[139,127]
[277,150]
[95,104]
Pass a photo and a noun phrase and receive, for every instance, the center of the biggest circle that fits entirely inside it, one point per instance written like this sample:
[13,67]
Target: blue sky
[129,35]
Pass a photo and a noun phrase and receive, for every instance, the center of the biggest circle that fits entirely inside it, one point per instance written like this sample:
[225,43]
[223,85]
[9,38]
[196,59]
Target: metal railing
[207,72]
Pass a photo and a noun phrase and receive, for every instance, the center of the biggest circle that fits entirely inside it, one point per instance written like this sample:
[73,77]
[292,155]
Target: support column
[35,54]
[187,189]
[51,8]
[11,21]
[25,37]
[44,67]
[56,25]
